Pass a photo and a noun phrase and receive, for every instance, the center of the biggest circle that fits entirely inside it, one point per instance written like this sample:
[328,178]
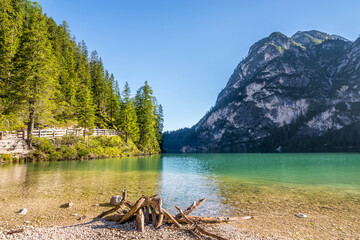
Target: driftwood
[140,220]
[213,219]
[159,220]
[114,218]
[153,215]
[147,215]
[15,231]
[170,217]
[133,210]
[191,208]
[123,200]
[149,210]
[197,227]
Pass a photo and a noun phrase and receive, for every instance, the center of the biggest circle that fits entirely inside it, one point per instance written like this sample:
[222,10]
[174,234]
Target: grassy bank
[72,148]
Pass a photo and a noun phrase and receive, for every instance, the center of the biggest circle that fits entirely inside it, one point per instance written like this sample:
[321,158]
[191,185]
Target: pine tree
[84,107]
[34,70]
[10,30]
[46,79]
[146,119]
[97,82]
[128,119]
[159,125]
[113,102]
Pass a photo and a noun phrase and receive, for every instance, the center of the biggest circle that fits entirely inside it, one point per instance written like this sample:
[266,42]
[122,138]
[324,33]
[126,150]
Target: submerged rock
[23,211]
[300,215]
[115,200]
[68,205]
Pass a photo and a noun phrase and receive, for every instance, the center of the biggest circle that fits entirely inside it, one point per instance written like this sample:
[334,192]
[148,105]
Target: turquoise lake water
[224,179]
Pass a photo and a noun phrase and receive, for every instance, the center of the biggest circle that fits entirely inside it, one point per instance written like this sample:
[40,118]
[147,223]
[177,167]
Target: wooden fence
[53,133]
[12,135]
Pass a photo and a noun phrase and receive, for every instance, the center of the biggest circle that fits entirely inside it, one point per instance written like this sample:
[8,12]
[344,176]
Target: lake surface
[234,184]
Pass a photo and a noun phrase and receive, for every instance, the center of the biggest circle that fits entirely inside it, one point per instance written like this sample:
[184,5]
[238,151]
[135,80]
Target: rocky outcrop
[287,90]
[16,147]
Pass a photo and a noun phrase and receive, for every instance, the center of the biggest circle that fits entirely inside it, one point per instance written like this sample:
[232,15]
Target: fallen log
[170,217]
[118,217]
[191,208]
[133,210]
[212,219]
[114,218]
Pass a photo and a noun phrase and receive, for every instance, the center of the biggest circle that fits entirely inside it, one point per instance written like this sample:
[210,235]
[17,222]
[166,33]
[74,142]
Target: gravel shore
[102,229]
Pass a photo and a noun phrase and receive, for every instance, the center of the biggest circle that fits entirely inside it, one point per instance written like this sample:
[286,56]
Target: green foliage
[48,80]
[128,118]
[159,122]
[146,119]
[10,30]
[175,140]
[6,157]
[72,147]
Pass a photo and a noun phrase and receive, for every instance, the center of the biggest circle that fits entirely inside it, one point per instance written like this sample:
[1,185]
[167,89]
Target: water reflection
[228,181]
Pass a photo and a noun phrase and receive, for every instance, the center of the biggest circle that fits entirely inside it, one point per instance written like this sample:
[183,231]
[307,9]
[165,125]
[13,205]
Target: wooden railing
[12,135]
[53,133]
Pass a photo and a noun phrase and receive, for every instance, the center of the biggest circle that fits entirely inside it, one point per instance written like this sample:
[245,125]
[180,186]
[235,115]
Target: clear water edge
[232,183]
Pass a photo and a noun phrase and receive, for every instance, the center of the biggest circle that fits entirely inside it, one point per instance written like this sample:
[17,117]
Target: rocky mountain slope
[299,93]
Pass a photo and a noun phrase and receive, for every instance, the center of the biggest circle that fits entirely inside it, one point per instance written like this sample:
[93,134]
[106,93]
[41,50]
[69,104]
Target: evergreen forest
[48,79]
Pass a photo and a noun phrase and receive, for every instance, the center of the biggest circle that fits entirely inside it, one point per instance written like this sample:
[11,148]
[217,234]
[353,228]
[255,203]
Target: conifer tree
[159,125]
[97,82]
[10,30]
[128,119]
[46,78]
[113,104]
[146,119]
[34,69]
[84,108]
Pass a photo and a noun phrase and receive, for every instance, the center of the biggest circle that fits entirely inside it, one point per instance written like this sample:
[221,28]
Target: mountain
[299,93]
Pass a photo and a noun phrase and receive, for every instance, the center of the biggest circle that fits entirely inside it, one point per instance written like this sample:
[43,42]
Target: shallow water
[234,184]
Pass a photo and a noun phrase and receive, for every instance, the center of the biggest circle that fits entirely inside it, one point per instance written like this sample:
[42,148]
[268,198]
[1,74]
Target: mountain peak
[277,35]
[276,39]
[313,37]
[287,92]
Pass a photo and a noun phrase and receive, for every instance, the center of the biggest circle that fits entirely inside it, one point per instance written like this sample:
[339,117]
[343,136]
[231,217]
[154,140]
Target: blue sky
[187,49]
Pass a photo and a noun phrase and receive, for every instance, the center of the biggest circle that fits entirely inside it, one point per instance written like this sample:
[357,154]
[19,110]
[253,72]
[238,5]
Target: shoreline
[332,212]
[102,229]
[73,148]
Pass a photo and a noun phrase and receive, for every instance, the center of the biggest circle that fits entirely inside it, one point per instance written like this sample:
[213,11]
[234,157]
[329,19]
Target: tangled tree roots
[148,210]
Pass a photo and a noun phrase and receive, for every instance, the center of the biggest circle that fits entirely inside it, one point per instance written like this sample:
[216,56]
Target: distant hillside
[298,93]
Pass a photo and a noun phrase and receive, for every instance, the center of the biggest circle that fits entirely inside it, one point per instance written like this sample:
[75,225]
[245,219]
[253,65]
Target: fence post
[39,133]
[53,133]
[1,135]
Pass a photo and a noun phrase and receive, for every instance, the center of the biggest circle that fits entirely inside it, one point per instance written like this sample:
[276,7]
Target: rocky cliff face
[288,90]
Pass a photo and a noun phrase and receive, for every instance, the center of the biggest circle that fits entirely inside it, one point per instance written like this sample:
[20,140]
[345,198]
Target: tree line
[47,78]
